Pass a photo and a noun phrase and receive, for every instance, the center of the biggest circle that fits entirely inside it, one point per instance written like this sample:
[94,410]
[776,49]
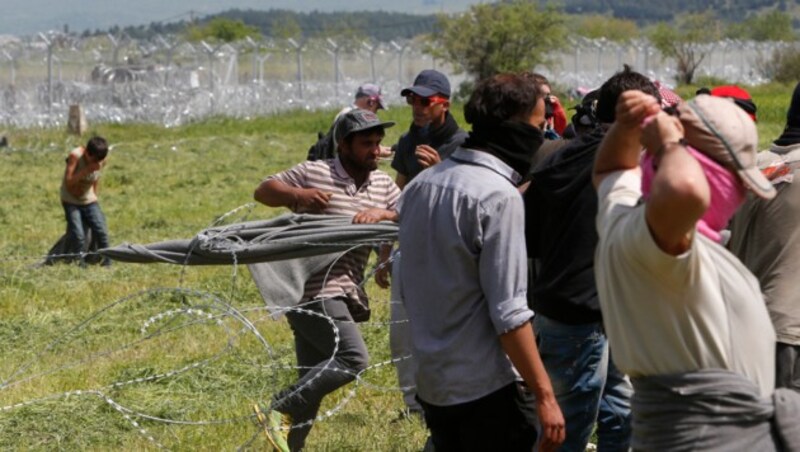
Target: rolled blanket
[711,410]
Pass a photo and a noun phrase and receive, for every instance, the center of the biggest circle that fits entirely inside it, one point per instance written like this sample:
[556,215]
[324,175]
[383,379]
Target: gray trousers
[400,342]
[323,367]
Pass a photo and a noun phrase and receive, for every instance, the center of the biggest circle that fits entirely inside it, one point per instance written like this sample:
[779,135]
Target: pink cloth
[727,192]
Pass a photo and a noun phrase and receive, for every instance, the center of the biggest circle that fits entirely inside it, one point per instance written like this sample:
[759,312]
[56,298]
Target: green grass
[164,183]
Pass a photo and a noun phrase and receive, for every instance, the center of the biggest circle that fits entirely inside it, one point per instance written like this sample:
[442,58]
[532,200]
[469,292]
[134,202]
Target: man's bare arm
[275,193]
[621,145]
[680,194]
[72,177]
[520,346]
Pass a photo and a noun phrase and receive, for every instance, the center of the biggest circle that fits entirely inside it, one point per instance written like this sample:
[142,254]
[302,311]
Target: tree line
[375,25]
[646,12]
[509,35]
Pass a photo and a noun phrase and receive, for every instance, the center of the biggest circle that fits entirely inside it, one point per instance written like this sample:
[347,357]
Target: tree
[772,26]
[783,67]
[286,28]
[221,29]
[688,41]
[507,36]
[597,26]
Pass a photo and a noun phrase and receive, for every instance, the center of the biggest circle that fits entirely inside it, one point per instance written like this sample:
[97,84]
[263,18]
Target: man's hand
[385,152]
[374,215]
[382,275]
[633,107]
[384,270]
[660,130]
[427,156]
[552,421]
[312,198]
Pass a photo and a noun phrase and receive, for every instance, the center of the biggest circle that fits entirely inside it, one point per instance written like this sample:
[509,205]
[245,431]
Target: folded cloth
[711,410]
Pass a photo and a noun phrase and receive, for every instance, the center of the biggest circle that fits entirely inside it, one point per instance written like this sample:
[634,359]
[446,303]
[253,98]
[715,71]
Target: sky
[28,17]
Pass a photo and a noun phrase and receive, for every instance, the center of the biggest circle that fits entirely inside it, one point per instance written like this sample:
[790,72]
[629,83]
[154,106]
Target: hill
[646,11]
[387,25]
[377,25]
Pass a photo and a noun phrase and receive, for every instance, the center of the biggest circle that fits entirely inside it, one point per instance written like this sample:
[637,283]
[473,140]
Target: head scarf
[727,192]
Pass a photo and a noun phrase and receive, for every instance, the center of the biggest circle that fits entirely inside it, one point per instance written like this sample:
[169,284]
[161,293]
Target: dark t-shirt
[560,211]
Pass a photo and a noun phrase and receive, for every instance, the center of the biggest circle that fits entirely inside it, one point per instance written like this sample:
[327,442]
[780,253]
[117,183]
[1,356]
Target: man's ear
[446,105]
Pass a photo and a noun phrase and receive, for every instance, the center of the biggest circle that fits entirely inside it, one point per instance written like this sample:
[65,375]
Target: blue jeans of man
[79,218]
[588,386]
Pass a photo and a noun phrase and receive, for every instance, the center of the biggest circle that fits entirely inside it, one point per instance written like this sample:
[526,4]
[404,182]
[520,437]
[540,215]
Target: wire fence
[170,81]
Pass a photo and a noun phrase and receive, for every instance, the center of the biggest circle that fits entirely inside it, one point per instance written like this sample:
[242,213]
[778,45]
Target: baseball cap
[724,132]
[429,83]
[740,97]
[356,121]
[371,90]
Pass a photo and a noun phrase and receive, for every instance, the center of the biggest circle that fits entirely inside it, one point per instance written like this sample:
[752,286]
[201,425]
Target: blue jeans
[588,386]
[80,218]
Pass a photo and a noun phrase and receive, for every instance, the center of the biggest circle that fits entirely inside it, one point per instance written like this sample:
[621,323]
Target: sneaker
[275,426]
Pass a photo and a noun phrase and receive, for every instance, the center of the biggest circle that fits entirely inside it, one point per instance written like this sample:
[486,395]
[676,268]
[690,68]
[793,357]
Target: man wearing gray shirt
[463,280]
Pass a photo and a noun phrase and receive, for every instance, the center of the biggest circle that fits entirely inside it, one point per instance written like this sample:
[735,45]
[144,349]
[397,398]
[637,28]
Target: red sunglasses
[413,99]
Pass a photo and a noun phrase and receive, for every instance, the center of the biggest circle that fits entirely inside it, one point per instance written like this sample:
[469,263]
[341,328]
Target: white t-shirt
[669,314]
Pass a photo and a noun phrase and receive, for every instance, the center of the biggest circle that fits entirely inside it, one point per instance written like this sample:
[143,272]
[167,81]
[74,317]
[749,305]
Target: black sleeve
[399,161]
[532,223]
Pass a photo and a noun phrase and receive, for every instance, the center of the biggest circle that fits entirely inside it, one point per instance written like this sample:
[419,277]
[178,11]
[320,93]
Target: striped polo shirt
[378,191]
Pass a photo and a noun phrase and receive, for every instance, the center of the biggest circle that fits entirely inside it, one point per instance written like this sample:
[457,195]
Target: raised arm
[621,146]
[679,195]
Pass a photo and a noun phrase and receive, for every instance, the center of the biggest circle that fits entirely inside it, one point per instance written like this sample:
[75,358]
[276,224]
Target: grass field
[98,359]
[161,184]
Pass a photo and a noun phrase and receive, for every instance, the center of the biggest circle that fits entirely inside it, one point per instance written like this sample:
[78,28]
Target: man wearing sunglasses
[434,134]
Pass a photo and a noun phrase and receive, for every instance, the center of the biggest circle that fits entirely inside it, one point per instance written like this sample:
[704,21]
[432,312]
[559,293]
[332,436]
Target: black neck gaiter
[513,142]
[435,137]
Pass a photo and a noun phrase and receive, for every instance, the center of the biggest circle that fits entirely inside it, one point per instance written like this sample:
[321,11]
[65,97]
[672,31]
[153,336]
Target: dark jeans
[787,373]
[588,386]
[504,420]
[321,370]
[85,217]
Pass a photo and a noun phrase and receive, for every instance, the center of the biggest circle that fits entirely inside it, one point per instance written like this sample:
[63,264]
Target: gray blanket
[281,253]
[712,410]
[285,237]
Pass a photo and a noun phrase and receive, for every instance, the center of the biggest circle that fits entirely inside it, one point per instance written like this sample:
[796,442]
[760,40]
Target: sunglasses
[413,99]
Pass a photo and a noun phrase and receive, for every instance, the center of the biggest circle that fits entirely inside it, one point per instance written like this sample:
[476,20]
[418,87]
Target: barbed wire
[198,309]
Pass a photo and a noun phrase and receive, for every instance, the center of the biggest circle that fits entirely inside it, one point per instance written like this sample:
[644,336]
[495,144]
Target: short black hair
[97,147]
[500,98]
[624,80]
